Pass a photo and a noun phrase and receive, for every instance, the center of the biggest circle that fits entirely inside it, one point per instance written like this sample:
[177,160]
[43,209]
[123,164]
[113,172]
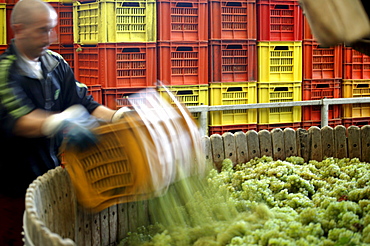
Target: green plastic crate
[107,21]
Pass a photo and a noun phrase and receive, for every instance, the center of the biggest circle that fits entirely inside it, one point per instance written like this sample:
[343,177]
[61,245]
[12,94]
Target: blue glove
[77,136]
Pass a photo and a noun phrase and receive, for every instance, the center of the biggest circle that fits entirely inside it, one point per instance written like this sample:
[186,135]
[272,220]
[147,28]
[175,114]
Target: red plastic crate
[232,60]
[331,122]
[64,28]
[322,63]
[116,98]
[121,65]
[356,64]
[182,20]
[3,47]
[96,92]
[282,126]
[279,21]
[230,19]
[313,113]
[307,33]
[234,128]
[319,89]
[183,63]
[67,51]
[363,121]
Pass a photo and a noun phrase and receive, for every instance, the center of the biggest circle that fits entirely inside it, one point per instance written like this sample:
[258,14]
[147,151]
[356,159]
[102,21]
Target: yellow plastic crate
[279,92]
[279,61]
[233,93]
[108,21]
[3,23]
[190,95]
[356,88]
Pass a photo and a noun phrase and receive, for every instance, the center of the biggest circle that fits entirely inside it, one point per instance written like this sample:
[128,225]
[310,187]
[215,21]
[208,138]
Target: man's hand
[75,124]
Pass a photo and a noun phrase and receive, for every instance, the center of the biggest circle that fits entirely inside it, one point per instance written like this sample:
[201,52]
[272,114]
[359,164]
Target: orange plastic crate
[319,89]
[229,19]
[322,63]
[64,28]
[234,128]
[331,122]
[279,21]
[232,60]
[67,51]
[121,65]
[3,47]
[282,126]
[363,121]
[182,20]
[313,113]
[183,63]
[356,64]
[116,98]
[96,92]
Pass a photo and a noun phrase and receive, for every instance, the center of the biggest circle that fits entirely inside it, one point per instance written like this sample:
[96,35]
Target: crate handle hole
[130,50]
[281,89]
[186,92]
[281,48]
[322,86]
[184,49]
[231,89]
[236,4]
[130,4]
[184,5]
[363,86]
[234,47]
[281,6]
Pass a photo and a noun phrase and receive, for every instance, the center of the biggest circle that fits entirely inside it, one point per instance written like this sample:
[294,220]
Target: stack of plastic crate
[115,48]
[356,83]
[3,26]
[182,44]
[279,36]
[322,77]
[232,64]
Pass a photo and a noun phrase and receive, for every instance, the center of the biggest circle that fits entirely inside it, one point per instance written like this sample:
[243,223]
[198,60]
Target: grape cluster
[287,202]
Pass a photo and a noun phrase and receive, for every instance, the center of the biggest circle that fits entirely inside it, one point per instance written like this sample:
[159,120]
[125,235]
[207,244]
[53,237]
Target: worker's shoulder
[6,59]
[56,55]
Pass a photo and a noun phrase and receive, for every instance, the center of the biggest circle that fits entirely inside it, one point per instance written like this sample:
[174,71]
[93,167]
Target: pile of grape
[265,202]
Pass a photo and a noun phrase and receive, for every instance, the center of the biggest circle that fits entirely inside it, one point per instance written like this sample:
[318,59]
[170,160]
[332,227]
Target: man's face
[36,36]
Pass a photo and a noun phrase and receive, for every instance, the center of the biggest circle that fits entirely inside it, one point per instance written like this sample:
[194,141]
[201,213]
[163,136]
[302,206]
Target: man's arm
[30,124]
[104,113]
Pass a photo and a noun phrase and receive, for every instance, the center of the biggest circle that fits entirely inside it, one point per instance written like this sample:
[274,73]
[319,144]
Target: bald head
[25,11]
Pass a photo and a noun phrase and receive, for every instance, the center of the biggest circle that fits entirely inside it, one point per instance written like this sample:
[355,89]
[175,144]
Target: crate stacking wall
[322,75]
[279,80]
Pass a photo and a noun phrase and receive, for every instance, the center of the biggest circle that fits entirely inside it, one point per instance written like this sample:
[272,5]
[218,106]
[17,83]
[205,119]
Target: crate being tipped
[138,157]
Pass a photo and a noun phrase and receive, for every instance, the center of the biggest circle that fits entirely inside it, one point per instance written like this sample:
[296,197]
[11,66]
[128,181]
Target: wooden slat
[290,142]
[206,144]
[79,232]
[96,229]
[354,142]
[229,146]
[253,144]
[87,226]
[122,221]
[104,222]
[278,150]
[132,216]
[316,144]
[265,143]
[340,141]
[303,144]
[241,147]
[328,143]
[365,136]
[218,153]
[113,227]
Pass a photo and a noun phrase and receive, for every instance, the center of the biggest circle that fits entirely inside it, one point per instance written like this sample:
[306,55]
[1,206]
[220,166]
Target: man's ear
[17,29]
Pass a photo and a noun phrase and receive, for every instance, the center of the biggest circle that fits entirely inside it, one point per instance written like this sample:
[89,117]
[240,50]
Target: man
[39,103]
